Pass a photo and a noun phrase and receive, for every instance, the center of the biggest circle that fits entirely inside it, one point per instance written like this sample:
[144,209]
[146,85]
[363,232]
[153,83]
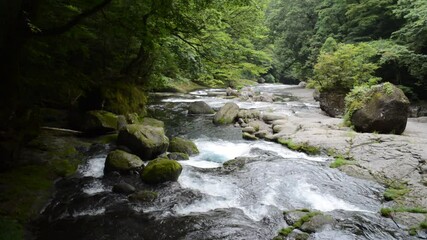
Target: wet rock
[122,161]
[291,217]
[177,156]
[234,164]
[298,235]
[263,97]
[385,111]
[333,103]
[161,170]
[317,222]
[302,84]
[248,114]
[249,136]
[152,122]
[144,196]
[182,145]
[259,125]
[200,107]
[248,130]
[227,114]
[270,117]
[316,95]
[99,121]
[232,92]
[124,188]
[262,134]
[145,141]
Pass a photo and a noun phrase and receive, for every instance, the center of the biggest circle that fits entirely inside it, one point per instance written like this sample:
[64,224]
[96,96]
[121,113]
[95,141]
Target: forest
[80,55]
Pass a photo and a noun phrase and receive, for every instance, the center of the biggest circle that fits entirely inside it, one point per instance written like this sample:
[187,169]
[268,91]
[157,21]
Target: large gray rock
[145,141]
[385,111]
[182,145]
[200,107]
[122,161]
[333,103]
[317,223]
[99,121]
[161,170]
[227,114]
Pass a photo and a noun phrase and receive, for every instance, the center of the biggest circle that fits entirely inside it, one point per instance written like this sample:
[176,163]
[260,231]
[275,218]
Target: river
[211,202]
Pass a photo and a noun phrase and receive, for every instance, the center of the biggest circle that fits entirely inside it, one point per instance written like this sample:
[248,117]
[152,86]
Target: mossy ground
[300,147]
[26,188]
[395,191]
[340,161]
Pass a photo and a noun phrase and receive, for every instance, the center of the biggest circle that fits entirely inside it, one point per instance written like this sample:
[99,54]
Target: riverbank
[398,161]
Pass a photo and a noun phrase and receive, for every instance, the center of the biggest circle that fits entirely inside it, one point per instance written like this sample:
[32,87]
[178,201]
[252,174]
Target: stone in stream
[98,121]
[145,141]
[200,107]
[249,130]
[124,188]
[317,223]
[178,156]
[270,117]
[245,114]
[161,170]
[143,196]
[122,161]
[182,145]
[384,111]
[227,114]
[232,92]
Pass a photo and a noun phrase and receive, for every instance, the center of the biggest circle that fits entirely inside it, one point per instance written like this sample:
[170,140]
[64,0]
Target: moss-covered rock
[99,121]
[182,145]
[200,107]
[122,161]
[145,141]
[152,122]
[249,136]
[161,170]
[227,114]
[177,156]
[381,108]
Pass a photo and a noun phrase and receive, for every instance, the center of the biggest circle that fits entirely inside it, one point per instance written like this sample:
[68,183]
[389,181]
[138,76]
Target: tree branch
[73,22]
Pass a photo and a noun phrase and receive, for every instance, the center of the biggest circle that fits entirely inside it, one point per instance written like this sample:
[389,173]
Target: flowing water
[211,202]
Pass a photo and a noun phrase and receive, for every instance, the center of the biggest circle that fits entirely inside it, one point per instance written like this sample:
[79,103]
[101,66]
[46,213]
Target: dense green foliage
[386,38]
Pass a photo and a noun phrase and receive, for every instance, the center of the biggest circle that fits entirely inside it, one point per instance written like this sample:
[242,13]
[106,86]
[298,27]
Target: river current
[211,202]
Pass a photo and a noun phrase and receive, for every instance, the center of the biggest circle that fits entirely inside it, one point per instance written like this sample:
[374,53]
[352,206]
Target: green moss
[423,225]
[300,147]
[24,190]
[107,139]
[340,161]
[183,146]
[286,231]
[413,231]
[395,192]
[10,229]
[161,170]
[305,219]
[386,212]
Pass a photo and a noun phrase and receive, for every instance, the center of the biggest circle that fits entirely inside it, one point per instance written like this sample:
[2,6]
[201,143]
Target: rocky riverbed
[244,184]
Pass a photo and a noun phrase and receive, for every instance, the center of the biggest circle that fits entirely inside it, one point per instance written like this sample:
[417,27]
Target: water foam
[93,168]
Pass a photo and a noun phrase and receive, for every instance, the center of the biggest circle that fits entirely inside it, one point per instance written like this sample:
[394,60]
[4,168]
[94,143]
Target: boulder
[122,161]
[161,170]
[317,222]
[121,122]
[200,107]
[302,84]
[270,117]
[182,145]
[145,141]
[99,121]
[333,102]
[143,196]
[152,122]
[385,110]
[227,114]
[177,156]
[248,130]
[124,188]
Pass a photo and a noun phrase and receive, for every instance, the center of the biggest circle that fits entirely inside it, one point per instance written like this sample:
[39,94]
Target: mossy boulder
[178,156]
[99,121]
[122,161]
[383,108]
[227,114]
[152,122]
[182,145]
[333,102]
[161,170]
[200,107]
[145,141]
[248,136]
